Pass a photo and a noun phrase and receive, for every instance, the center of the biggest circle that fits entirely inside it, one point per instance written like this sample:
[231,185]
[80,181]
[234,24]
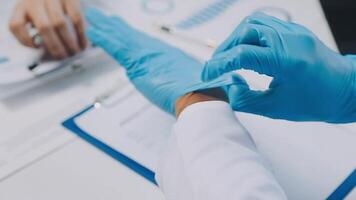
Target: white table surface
[78,171]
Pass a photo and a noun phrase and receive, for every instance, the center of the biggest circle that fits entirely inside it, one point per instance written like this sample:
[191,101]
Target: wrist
[352,103]
[347,111]
[192,98]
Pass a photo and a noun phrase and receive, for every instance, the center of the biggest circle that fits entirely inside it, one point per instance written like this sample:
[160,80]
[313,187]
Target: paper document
[130,124]
[16,59]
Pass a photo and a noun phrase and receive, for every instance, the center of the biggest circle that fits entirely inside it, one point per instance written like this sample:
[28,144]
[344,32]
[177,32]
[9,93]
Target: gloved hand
[310,81]
[161,72]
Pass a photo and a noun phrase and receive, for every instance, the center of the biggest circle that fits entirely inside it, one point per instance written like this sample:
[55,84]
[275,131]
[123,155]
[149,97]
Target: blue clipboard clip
[128,162]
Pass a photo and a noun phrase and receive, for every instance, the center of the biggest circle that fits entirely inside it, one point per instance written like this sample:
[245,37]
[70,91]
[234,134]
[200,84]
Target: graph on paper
[206,14]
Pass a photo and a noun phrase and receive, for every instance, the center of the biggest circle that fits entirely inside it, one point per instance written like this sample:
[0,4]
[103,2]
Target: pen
[207,43]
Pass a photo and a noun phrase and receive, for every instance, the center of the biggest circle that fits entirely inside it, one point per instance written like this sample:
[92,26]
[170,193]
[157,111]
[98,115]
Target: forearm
[213,156]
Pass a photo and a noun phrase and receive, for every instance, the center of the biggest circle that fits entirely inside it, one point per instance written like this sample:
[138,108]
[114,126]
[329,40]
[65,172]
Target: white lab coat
[212,157]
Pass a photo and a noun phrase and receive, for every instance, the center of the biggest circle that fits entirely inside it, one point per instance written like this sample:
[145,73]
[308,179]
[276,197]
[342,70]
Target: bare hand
[49,18]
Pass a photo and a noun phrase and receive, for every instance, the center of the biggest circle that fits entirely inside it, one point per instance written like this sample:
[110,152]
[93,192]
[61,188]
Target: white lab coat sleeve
[211,156]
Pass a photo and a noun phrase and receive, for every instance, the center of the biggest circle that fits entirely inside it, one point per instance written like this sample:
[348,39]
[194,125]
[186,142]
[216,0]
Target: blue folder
[340,193]
[128,162]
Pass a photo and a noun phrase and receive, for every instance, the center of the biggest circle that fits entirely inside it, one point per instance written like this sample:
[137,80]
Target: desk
[78,171]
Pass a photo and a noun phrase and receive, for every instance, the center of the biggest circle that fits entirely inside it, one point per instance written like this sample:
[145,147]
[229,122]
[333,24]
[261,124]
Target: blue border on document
[128,162]
[345,188]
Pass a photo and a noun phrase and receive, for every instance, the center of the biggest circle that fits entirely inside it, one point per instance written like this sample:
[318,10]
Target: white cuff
[211,156]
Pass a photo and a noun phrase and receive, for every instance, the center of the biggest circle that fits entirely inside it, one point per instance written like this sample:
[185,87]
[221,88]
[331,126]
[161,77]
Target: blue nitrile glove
[310,81]
[161,72]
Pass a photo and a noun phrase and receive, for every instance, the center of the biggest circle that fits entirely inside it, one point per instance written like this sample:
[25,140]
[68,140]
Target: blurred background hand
[59,23]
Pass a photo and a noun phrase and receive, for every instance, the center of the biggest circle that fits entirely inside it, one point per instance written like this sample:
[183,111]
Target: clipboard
[71,125]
